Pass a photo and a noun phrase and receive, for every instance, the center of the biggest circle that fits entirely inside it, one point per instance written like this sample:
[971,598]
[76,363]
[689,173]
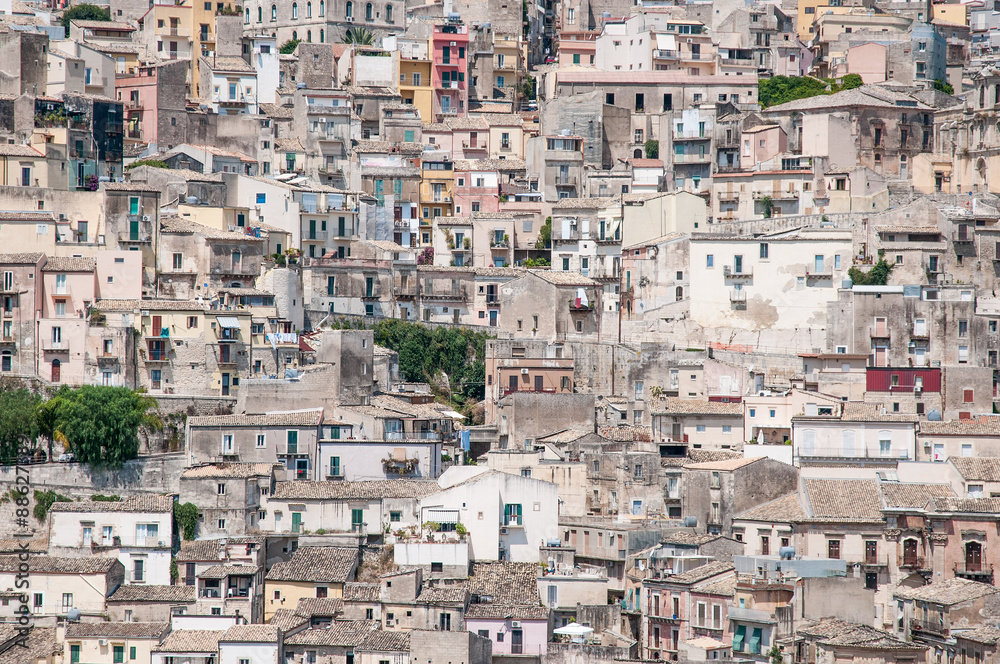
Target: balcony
[404,292]
[579,305]
[728,195]
[981,573]
[607,240]
[134,238]
[963,237]
[372,294]
[565,181]
[738,296]
[134,134]
[737,273]
[664,54]
[825,273]
[173,31]
[51,346]
[879,332]
[851,454]
[153,357]
[935,627]
[8,341]
[693,158]
[459,293]
[316,236]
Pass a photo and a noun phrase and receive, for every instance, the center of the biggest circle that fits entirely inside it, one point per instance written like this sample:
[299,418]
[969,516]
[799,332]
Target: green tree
[155,163]
[101,424]
[544,240]
[775,654]
[652,149]
[943,87]
[289,46]
[766,206]
[18,423]
[528,87]
[850,82]
[186,519]
[84,12]
[359,36]
[44,500]
[878,275]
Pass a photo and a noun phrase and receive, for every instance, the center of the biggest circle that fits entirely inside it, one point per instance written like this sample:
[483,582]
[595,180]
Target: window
[833,548]
[709,260]
[968,396]
[763,249]
[395,517]
[261,440]
[118,654]
[67,601]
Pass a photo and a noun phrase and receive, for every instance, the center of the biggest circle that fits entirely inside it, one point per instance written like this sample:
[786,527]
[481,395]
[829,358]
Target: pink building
[477,187]
[69,287]
[577,48]
[514,630]
[451,92]
[20,298]
[141,94]
[762,143]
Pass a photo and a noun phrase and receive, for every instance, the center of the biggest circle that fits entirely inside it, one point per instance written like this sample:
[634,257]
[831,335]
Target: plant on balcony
[399,466]
[461,529]
[432,526]
[467,243]
[544,240]
[652,149]
[503,198]
[878,275]
[449,238]
[293,255]
[766,206]
[279,259]
[656,391]
[92,182]
[97,317]
[235,10]
[775,654]
[359,37]
[154,163]
[426,257]
[506,240]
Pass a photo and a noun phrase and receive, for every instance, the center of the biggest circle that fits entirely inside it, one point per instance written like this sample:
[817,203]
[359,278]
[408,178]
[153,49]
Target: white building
[783,280]
[507,516]
[138,530]
[860,432]
[250,644]
[354,460]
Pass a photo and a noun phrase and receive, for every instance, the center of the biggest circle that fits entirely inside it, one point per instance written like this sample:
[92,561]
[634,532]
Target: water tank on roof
[605,14]
[934,415]
[301,86]
[553,542]
[73,615]
[454,16]
[191,200]
[690,522]
[786,552]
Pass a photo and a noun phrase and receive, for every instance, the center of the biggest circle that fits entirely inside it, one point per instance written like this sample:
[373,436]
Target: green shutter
[296,522]
[133,205]
[408,135]
[119,654]
[131,652]
[293,442]
[74,654]
[755,640]
[741,633]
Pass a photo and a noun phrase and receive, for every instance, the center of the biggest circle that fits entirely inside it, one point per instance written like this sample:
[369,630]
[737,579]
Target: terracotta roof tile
[117,630]
[298,418]
[950,591]
[55,565]
[320,564]
[986,469]
[137,592]
[191,640]
[904,495]
[357,490]
[135,504]
[679,406]
[507,612]
[250,634]
[843,500]
[338,633]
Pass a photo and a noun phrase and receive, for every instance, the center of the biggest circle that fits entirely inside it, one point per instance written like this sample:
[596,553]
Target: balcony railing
[734,273]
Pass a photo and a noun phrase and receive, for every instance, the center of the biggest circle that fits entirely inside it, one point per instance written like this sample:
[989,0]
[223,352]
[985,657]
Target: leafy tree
[18,423]
[775,654]
[528,90]
[155,163]
[44,500]
[652,149]
[84,12]
[766,206]
[102,423]
[878,275]
[113,498]
[186,519]
[359,36]
[943,87]
[850,82]
[544,240]
[289,46]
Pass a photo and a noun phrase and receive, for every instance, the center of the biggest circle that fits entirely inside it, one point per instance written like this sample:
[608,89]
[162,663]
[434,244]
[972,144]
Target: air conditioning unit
[145,217]
[102,642]
[145,312]
[453,44]
[504,531]
[516,624]
[524,371]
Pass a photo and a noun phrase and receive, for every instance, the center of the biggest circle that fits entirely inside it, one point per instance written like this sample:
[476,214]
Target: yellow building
[314,571]
[437,187]
[810,10]
[184,30]
[108,642]
[415,77]
[508,61]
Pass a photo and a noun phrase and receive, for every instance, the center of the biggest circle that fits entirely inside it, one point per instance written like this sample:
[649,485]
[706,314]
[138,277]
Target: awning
[741,633]
[229,322]
[666,43]
[453,414]
[443,516]
[755,640]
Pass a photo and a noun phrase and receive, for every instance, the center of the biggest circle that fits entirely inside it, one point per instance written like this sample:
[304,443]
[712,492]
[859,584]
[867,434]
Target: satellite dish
[934,415]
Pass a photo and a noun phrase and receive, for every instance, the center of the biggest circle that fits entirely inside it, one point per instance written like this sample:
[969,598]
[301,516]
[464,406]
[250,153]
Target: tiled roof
[276,111]
[202,550]
[69,264]
[679,406]
[725,464]
[183,225]
[227,63]
[117,630]
[23,215]
[627,433]
[320,564]
[560,278]
[298,418]
[967,505]
[54,565]
[137,592]
[834,632]
[725,586]
[362,592]
[986,634]
[222,571]
[950,591]
[505,582]
[689,539]
[507,612]
[359,490]
[593,203]
[287,619]
[17,545]
[465,124]
[135,504]
[900,495]
[843,500]
[250,634]
[984,425]
[40,645]
[9,150]
[382,640]
[238,470]
[986,469]
[443,595]
[784,510]
[866,95]
[104,25]
[315,606]
[27,258]
[702,572]
[338,633]
[153,305]
[503,119]
[857,411]
[191,640]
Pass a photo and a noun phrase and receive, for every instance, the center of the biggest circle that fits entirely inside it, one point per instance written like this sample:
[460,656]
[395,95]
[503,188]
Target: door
[538,383]
[369,286]
[357,519]
[871,552]
[296,522]
[512,383]
[910,552]
[312,229]
[493,321]
[973,557]
[74,654]
[516,641]
[56,370]
[225,385]
[737,265]
[302,469]
[133,230]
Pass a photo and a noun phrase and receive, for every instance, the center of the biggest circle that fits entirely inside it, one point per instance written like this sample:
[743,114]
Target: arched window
[260,14]
[369,12]
[309,36]
[350,9]
[295,35]
[322,7]
[322,37]
[56,366]
[637,154]
[295,10]
[309,10]
[679,293]
[388,13]
[247,19]
[274,12]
